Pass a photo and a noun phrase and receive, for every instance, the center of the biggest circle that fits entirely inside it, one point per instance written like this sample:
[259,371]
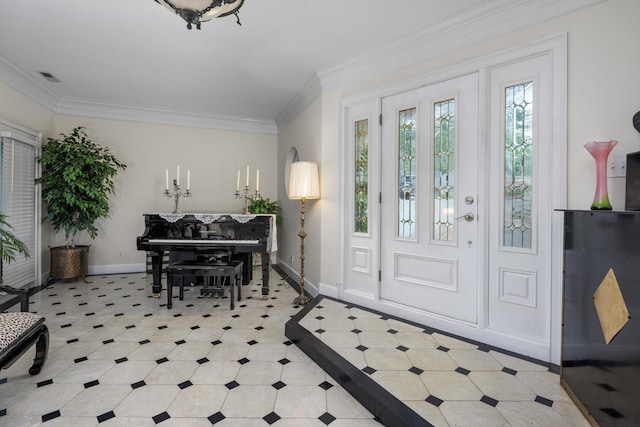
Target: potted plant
[77,180]
[258,205]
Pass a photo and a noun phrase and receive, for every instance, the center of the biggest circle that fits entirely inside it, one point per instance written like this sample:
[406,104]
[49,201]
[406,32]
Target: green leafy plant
[258,205]
[77,178]
[10,245]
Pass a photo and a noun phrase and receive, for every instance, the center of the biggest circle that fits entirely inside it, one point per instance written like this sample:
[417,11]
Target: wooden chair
[19,331]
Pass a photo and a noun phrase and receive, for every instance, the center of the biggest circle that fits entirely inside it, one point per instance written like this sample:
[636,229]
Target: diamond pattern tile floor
[120,357]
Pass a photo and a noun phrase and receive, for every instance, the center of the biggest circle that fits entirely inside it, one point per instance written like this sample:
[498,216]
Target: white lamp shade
[303,181]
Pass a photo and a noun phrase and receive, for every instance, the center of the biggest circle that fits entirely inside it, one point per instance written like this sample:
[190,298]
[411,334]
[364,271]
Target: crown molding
[18,79]
[115,111]
[309,93]
[474,25]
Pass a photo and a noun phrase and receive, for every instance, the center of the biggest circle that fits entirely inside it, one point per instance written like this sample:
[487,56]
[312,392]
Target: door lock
[468,217]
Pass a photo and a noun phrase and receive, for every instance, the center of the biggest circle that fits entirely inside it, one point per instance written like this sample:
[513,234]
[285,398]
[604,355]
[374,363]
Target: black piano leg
[156,270]
[265,275]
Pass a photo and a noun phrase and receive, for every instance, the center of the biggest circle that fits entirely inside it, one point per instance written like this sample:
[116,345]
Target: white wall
[213,156]
[303,133]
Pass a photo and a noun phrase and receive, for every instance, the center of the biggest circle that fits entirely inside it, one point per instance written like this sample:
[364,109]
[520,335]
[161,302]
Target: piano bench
[231,270]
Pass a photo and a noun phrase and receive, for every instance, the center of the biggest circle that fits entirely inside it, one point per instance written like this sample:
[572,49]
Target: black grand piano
[207,233]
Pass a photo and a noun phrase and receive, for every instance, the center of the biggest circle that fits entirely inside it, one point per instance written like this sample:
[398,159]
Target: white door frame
[370,296]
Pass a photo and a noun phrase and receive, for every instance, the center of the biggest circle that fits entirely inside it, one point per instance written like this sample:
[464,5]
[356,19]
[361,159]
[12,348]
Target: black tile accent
[509,371]
[44,383]
[185,384]
[203,360]
[106,416]
[108,341]
[319,318]
[252,342]
[122,360]
[327,418]
[362,348]
[161,417]
[162,360]
[180,342]
[320,331]
[163,327]
[278,385]
[144,342]
[402,348]
[271,418]
[325,385]
[489,401]
[3,412]
[485,348]
[352,317]
[226,328]
[243,361]
[216,342]
[231,385]
[356,331]
[284,361]
[392,331]
[544,401]
[368,370]
[50,416]
[130,326]
[441,348]
[435,401]
[259,328]
[462,371]
[91,384]
[612,412]
[72,341]
[138,384]
[415,370]
[98,326]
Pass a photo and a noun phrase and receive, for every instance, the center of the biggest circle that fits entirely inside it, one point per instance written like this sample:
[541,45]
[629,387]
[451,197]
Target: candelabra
[246,195]
[177,193]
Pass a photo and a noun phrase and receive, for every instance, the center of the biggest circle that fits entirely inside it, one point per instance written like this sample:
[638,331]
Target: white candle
[178,175]
[166,179]
[238,181]
[188,179]
[258,180]
[247,183]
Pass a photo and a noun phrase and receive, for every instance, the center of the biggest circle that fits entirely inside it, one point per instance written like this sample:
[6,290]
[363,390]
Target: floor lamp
[303,185]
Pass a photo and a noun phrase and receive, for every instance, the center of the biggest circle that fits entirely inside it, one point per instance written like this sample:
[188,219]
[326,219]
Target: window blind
[18,202]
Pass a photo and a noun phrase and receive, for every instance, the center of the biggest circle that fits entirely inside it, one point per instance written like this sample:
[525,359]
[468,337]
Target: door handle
[468,217]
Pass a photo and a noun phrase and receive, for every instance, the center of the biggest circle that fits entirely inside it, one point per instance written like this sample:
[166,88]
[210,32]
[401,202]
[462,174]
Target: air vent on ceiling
[49,77]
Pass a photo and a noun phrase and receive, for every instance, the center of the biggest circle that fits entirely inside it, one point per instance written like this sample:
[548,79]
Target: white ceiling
[136,53]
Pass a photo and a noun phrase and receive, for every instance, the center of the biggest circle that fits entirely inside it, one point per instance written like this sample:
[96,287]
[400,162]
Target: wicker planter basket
[69,263]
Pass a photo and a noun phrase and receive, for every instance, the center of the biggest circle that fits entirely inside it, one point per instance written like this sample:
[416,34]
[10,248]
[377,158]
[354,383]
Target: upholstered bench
[18,332]
[231,270]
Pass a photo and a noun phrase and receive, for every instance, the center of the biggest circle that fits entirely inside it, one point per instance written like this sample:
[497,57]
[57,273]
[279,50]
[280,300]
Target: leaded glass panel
[407,173]
[518,159]
[444,150]
[361,185]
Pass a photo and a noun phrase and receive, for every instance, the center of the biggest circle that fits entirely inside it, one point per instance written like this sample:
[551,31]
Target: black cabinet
[603,379]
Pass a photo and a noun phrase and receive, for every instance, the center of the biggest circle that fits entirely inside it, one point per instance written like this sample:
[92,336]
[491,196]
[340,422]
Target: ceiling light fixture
[197,11]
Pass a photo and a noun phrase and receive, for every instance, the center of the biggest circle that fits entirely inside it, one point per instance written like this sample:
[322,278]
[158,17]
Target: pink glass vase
[600,151]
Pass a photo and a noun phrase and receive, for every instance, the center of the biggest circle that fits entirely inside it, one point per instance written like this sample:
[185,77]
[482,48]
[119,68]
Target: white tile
[472,414]
[301,401]
[198,401]
[147,401]
[262,400]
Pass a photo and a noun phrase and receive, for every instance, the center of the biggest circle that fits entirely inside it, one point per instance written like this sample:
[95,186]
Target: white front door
[429,216]
[449,203]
